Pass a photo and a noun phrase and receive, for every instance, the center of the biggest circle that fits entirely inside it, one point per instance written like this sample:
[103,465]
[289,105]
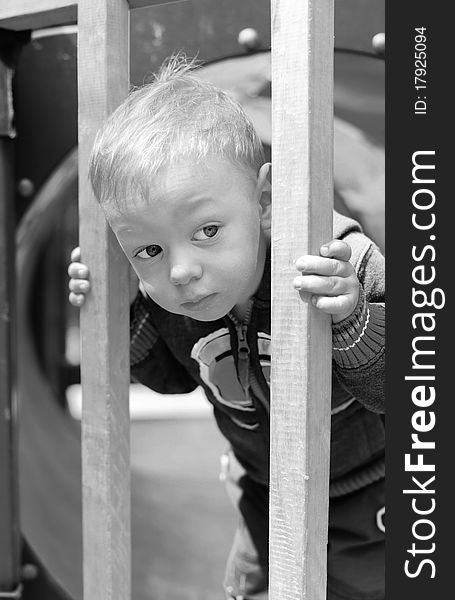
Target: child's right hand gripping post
[79,284]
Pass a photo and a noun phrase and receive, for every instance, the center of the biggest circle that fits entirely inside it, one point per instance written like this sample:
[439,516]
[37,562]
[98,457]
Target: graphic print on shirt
[217,368]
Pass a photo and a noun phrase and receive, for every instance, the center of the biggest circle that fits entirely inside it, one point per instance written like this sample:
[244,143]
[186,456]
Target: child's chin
[212,314]
[205,317]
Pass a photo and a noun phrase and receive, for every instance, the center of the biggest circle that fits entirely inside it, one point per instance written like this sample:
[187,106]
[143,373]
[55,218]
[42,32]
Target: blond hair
[176,116]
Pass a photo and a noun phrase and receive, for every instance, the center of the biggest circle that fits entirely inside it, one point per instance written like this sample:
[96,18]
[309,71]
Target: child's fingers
[332,305]
[78,270]
[76,299]
[316,284]
[79,286]
[76,254]
[318,265]
[305,296]
[336,249]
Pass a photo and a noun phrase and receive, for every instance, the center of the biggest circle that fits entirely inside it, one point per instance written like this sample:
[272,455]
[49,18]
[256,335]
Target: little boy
[180,174]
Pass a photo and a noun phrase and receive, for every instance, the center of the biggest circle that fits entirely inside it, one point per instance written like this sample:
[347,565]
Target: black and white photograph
[193,259]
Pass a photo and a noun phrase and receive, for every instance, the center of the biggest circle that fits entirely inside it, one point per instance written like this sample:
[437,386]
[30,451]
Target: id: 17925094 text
[420,70]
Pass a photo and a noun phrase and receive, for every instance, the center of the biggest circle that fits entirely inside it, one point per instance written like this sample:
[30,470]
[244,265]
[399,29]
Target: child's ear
[264,194]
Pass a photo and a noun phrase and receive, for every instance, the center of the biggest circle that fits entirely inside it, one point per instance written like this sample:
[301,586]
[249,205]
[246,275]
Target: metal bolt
[29,572]
[26,187]
[248,38]
[378,43]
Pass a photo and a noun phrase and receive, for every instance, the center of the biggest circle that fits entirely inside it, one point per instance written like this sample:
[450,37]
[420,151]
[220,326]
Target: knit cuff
[358,480]
[359,338]
[142,332]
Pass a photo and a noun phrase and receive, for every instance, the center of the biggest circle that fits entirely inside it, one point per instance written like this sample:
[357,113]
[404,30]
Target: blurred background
[183,523]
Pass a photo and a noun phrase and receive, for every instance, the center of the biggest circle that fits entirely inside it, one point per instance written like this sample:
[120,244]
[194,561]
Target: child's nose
[183,274]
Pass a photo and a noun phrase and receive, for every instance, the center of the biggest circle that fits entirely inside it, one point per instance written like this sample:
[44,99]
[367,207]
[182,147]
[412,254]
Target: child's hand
[79,284]
[329,279]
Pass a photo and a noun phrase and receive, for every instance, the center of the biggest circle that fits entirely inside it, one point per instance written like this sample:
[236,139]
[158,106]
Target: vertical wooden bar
[302,104]
[9,492]
[103,49]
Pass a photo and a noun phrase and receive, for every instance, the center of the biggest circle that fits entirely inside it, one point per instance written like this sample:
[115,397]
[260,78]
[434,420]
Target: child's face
[199,243]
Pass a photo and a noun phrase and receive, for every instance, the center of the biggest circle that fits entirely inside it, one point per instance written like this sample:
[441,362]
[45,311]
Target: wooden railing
[302,73]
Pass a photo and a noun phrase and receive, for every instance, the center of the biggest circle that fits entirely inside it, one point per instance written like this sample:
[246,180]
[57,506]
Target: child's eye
[206,232]
[149,252]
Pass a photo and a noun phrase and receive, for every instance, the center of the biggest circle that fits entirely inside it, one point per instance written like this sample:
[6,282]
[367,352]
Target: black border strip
[413,255]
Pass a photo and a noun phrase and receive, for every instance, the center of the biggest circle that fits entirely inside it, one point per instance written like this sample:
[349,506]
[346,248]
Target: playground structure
[65,436]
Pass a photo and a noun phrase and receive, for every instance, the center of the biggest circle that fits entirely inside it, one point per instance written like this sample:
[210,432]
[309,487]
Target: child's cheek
[243,269]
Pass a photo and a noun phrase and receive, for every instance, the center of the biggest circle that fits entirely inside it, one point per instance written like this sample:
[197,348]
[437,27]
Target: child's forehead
[184,190]
[205,168]
[191,178]
[184,185]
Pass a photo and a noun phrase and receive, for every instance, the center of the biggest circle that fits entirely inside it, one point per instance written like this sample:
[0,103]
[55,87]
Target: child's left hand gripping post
[329,281]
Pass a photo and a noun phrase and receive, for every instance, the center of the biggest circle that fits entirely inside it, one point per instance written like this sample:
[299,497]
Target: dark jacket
[174,354]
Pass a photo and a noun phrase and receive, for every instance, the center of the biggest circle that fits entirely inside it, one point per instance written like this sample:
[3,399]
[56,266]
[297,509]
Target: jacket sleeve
[359,340]
[151,360]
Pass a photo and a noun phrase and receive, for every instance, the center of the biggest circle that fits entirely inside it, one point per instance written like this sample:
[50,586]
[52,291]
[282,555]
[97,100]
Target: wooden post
[302,122]
[103,61]
[9,493]
[11,44]
[9,497]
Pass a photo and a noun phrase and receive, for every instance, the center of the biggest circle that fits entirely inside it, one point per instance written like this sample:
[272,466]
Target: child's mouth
[200,304]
